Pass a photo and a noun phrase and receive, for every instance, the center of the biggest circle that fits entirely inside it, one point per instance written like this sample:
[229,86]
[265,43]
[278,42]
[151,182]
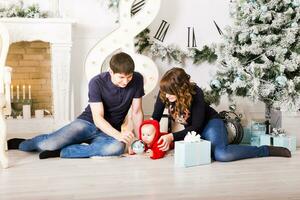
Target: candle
[26,112]
[18,92]
[12,92]
[29,91]
[23,92]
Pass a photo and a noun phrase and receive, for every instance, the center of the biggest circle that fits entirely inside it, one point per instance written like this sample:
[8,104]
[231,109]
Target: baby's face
[148,133]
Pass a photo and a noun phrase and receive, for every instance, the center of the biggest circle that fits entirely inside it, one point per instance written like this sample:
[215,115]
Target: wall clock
[190,23]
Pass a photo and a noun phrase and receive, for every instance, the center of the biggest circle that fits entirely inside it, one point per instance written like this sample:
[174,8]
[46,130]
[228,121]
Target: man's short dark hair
[122,63]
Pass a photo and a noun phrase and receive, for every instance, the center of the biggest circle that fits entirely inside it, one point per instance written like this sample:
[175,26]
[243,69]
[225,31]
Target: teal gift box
[266,140]
[247,136]
[258,128]
[255,141]
[280,141]
[188,154]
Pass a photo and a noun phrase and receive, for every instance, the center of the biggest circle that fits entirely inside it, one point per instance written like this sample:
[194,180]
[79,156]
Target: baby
[149,134]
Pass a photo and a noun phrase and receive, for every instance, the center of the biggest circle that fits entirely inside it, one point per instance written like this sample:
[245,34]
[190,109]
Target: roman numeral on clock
[218,28]
[191,38]
[137,6]
[162,31]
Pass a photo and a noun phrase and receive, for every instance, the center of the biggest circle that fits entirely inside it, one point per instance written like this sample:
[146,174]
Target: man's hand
[165,141]
[130,151]
[137,114]
[126,137]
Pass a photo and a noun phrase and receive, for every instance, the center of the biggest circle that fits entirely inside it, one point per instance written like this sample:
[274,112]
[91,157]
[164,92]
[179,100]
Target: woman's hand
[149,153]
[165,141]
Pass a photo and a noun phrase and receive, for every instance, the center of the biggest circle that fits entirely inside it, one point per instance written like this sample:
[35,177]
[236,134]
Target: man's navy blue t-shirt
[116,100]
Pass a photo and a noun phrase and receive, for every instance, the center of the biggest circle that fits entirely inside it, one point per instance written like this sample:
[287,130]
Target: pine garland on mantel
[18,10]
[171,52]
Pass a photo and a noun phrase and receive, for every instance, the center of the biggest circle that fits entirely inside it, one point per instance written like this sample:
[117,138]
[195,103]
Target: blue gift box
[266,140]
[188,154]
[255,141]
[257,128]
[280,141]
[287,142]
[247,136]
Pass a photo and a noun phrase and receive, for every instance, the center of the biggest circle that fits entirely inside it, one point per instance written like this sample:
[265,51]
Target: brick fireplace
[31,65]
[40,54]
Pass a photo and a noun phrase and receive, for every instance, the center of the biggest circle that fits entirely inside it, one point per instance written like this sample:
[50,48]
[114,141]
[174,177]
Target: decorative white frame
[123,39]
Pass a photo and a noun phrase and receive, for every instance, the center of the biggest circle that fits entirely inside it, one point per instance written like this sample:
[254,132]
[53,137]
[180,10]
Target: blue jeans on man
[70,138]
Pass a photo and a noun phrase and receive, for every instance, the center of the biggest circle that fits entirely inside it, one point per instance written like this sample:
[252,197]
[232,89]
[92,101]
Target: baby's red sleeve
[157,154]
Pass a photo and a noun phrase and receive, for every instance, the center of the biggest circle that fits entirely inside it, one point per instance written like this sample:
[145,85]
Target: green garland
[18,10]
[171,52]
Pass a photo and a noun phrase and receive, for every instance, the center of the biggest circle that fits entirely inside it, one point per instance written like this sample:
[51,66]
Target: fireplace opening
[31,76]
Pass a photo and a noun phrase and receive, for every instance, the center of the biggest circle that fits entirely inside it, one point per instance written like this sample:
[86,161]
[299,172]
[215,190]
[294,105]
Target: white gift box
[192,152]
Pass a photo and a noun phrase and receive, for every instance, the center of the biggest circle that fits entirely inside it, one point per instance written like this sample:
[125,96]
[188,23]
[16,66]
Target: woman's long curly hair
[177,82]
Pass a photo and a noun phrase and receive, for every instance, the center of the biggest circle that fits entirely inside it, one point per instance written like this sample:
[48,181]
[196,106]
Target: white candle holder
[39,114]
[17,106]
[9,117]
[26,112]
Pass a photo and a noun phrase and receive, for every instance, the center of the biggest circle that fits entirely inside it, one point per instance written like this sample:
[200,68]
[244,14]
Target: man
[111,94]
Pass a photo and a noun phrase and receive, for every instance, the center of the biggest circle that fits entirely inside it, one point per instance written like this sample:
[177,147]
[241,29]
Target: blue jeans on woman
[216,132]
[70,138]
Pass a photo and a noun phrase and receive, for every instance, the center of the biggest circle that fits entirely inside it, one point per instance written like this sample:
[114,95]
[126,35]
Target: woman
[185,101]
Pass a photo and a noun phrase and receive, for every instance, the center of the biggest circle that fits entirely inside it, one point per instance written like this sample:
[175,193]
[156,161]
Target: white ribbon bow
[278,132]
[192,137]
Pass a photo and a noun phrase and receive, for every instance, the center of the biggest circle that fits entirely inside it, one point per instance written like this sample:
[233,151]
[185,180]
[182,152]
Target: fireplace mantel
[53,30]
[58,32]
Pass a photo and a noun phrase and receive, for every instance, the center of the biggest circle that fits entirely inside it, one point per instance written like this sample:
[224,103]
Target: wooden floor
[141,178]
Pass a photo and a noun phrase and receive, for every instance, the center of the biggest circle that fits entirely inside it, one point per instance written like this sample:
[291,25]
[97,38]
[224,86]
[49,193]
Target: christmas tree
[259,55]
